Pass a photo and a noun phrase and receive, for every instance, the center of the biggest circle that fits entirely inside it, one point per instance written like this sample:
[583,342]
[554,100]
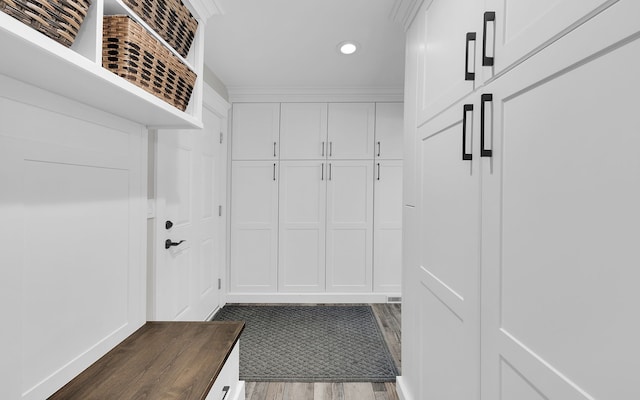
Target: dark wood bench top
[161,360]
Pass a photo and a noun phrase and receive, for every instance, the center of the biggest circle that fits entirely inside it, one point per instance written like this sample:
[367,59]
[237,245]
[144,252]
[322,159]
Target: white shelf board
[31,57]
[117,7]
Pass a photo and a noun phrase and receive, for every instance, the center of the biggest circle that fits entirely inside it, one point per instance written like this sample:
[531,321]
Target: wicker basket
[58,19]
[170,19]
[129,51]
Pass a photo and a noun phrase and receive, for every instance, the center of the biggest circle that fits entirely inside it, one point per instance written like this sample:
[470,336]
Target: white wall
[72,238]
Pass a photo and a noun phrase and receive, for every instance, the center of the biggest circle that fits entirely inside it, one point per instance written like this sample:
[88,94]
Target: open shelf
[31,57]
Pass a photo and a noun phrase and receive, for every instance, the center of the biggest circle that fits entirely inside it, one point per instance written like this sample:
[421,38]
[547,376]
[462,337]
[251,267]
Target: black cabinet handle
[484,152]
[465,156]
[330,149]
[322,174]
[330,174]
[274,148]
[469,75]
[225,390]
[322,149]
[489,16]
[274,171]
[168,243]
[378,171]
[379,148]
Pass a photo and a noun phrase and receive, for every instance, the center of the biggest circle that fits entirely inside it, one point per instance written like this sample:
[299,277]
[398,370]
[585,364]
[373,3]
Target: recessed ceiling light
[347,47]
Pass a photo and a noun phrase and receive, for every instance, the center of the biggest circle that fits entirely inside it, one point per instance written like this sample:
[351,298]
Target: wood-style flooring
[388,316]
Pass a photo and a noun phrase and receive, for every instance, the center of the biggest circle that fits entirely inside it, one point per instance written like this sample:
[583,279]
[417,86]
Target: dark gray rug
[311,344]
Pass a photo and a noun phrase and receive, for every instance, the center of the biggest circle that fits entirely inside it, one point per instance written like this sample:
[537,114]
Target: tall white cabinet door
[447,66]
[303,131]
[256,130]
[389,131]
[301,259]
[351,131]
[561,194]
[349,226]
[522,27]
[449,265]
[254,226]
[387,227]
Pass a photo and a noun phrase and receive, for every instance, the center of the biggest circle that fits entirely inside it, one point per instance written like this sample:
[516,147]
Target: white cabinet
[387,226]
[447,68]
[351,131]
[389,131]
[301,256]
[256,131]
[254,226]
[523,27]
[303,131]
[561,196]
[449,269]
[349,226]
[528,216]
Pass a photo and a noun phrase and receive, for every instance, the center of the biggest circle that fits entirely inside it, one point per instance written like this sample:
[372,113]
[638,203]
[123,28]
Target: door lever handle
[168,243]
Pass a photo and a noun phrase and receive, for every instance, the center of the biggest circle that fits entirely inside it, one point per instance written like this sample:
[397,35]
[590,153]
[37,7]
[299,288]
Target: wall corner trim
[404,11]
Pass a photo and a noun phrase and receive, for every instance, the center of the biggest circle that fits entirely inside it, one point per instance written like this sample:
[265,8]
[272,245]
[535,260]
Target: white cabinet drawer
[227,385]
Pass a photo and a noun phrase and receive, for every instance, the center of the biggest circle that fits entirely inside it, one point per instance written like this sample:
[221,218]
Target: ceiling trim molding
[404,11]
[244,94]
[206,8]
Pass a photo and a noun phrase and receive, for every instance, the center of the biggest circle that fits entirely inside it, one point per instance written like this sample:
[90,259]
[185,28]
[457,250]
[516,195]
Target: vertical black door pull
[274,171]
[465,156]
[484,152]
[323,149]
[489,16]
[379,148]
[469,75]
[330,174]
[322,173]
[378,171]
[274,148]
[330,149]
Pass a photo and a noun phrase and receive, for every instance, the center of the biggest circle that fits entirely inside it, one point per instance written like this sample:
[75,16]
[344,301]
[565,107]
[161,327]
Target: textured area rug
[311,344]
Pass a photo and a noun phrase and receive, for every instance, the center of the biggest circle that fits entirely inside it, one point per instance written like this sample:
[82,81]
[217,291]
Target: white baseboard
[330,298]
[402,390]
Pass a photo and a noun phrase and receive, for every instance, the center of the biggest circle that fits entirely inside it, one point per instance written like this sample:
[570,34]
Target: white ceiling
[293,44]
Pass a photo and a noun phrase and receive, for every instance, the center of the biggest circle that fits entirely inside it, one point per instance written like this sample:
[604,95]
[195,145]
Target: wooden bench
[166,360]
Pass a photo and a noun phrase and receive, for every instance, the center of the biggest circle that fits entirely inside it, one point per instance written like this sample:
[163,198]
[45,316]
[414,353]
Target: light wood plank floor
[388,316]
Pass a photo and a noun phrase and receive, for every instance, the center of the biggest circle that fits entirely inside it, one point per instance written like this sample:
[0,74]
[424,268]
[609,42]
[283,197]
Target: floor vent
[397,299]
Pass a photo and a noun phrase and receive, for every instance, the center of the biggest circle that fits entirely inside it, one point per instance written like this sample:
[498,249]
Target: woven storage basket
[129,51]
[58,19]
[170,19]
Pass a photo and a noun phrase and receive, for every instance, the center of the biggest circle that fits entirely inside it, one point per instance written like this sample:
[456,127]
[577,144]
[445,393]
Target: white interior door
[449,265]
[301,256]
[254,227]
[349,226]
[303,131]
[387,226]
[187,196]
[560,268]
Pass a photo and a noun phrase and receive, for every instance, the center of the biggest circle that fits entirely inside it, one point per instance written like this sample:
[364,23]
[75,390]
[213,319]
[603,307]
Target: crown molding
[205,9]
[404,11]
[214,102]
[245,94]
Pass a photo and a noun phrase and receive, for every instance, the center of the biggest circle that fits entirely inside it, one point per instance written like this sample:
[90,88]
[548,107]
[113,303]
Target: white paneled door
[188,249]
[387,223]
[349,226]
[449,268]
[351,131]
[256,131]
[303,131]
[301,256]
[389,131]
[560,230]
[254,226]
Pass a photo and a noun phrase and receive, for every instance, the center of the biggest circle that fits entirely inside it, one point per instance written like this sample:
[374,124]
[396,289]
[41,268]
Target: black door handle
[168,243]
[488,16]
[485,98]
[468,75]
[465,156]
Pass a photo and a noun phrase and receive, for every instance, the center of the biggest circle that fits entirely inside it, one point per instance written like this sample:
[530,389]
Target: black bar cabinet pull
[330,174]
[379,149]
[378,171]
[322,173]
[465,156]
[274,148]
[322,149]
[468,75]
[485,98]
[274,171]
[330,149]
[489,16]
